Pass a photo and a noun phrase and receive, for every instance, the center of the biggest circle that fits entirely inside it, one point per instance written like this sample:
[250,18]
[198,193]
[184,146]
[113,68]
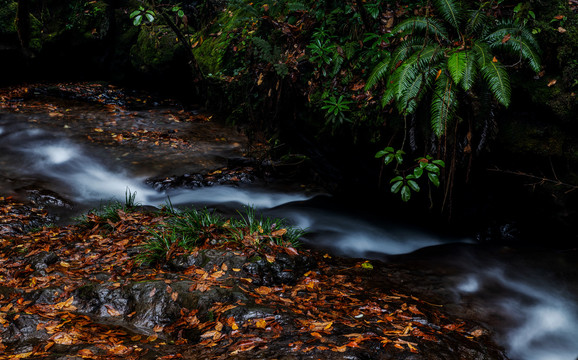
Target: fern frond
[380,71]
[406,49]
[482,50]
[498,82]
[407,102]
[457,63]
[422,25]
[444,104]
[470,70]
[517,40]
[414,91]
[477,22]
[517,46]
[450,11]
[426,57]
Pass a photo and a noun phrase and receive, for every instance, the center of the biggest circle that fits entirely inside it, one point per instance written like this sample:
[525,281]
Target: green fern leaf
[422,25]
[498,82]
[450,11]
[482,52]
[457,65]
[518,41]
[478,21]
[406,50]
[379,72]
[444,104]
[470,70]
[426,57]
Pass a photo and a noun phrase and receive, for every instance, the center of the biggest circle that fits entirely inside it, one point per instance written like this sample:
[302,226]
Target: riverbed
[74,147]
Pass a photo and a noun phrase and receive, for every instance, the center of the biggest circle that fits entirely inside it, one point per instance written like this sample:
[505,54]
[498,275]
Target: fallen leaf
[85,352]
[112,311]
[552,82]
[561,30]
[263,290]
[261,324]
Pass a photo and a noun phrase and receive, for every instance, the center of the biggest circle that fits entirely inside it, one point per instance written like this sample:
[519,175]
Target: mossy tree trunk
[22,22]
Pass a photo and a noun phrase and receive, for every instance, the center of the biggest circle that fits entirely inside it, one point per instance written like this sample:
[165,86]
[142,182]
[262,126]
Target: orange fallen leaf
[261,324]
[263,290]
[85,352]
[112,311]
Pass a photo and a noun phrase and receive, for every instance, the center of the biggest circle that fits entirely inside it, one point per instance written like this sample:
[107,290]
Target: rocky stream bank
[78,292]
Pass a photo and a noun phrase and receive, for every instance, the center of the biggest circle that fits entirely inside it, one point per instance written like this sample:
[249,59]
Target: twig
[541,180]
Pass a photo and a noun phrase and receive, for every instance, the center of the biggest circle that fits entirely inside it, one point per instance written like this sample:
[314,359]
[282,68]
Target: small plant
[109,212]
[258,229]
[185,230]
[407,181]
[141,14]
[336,110]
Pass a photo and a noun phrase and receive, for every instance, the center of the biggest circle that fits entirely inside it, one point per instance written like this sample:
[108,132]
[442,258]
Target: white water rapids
[538,318]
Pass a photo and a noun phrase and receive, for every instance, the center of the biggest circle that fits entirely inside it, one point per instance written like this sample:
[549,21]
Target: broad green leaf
[388,159]
[397,178]
[417,172]
[434,179]
[432,168]
[380,153]
[137,20]
[405,193]
[134,13]
[439,163]
[413,185]
[150,17]
[396,187]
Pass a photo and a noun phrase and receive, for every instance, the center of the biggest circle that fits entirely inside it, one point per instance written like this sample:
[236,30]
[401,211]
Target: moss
[155,48]
[213,44]
[7,16]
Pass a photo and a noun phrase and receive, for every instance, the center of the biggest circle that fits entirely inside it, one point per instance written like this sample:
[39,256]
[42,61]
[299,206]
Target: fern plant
[447,55]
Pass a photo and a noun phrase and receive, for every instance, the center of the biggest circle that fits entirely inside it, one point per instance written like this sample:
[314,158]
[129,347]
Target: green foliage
[336,110]
[261,229]
[407,180]
[184,230]
[444,64]
[141,14]
[109,212]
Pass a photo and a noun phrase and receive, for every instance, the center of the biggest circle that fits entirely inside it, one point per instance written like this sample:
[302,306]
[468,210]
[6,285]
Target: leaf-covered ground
[78,290]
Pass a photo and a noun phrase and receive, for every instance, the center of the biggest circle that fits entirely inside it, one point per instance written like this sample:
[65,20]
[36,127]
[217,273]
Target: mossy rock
[155,49]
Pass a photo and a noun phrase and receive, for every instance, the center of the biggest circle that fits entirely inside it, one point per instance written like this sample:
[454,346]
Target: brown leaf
[263,290]
[112,311]
[270,258]
[85,352]
[62,338]
[174,296]
[552,82]
[506,38]
[561,30]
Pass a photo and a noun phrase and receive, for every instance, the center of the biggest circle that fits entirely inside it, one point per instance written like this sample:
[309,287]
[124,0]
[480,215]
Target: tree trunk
[22,22]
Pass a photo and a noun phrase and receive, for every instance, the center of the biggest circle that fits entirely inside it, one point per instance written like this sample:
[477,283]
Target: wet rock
[22,334]
[45,198]
[141,305]
[42,260]
[286,269]
[225,176]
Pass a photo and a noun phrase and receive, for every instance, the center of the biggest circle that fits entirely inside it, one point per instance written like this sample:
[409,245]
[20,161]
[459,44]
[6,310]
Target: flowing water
[529,298]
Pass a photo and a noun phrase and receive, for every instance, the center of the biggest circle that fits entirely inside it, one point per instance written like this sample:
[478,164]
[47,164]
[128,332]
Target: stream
[529,297]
